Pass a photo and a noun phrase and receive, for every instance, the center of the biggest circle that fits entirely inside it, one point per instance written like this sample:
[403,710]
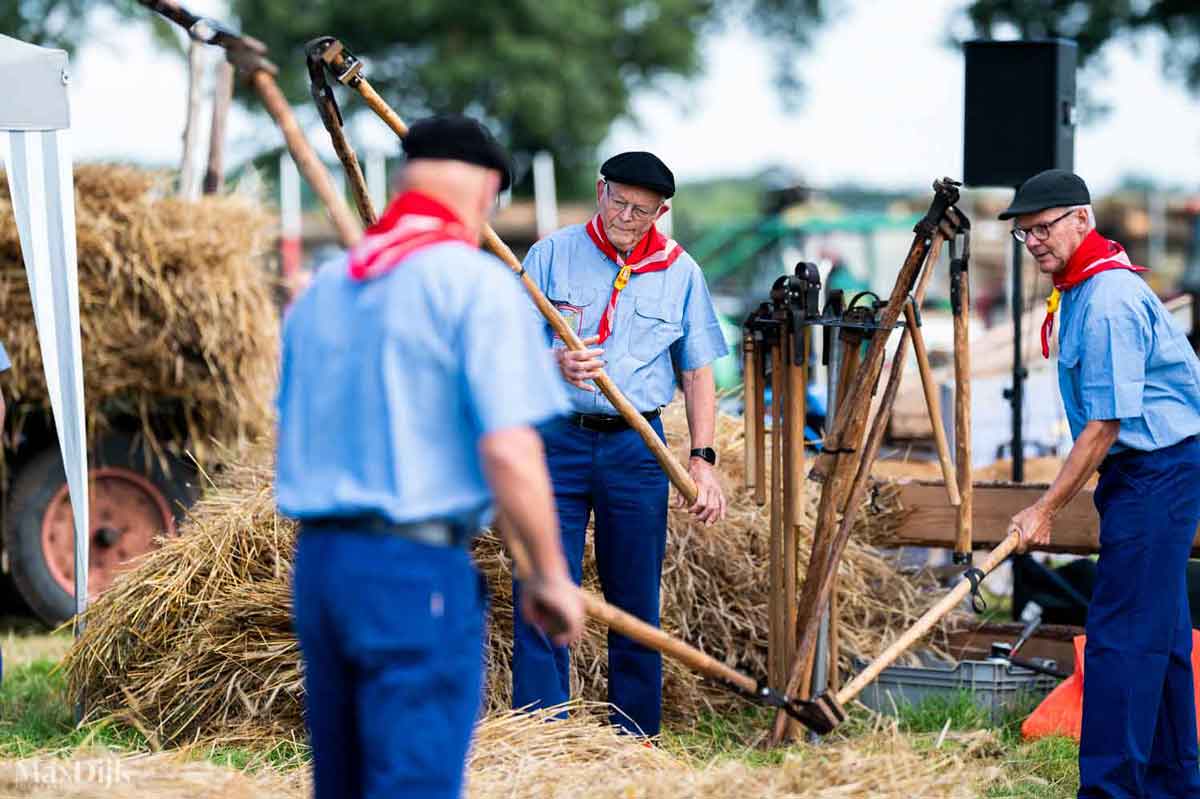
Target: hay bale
[179,329]
[196,643]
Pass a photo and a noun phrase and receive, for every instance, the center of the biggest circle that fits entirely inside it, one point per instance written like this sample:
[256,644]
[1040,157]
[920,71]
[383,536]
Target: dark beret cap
[457,138]
[640,169]
[1054,188]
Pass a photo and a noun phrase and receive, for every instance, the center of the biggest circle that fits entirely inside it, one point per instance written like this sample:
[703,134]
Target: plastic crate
[995,685]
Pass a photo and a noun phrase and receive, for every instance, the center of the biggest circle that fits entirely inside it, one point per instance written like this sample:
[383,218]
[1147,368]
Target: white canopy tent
[34,143]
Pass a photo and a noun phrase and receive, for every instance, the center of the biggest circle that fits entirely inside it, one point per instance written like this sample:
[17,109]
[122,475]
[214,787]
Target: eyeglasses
[639,213]
[1040,231]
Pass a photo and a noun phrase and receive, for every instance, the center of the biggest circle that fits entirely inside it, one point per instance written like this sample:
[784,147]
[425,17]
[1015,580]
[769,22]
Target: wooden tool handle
[962,420]
[677,474]
[634,628]
[752,440]
[926,622]
[933,404]
[348,231]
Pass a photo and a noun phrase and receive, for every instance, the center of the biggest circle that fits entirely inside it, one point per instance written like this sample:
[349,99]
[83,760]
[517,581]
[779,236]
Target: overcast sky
[883,106]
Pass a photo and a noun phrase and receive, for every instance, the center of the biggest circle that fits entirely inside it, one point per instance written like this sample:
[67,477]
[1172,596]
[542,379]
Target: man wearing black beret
[640,302]
[397,432]
[1131,387]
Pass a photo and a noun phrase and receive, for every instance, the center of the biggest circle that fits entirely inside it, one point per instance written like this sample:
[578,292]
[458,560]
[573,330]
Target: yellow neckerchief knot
[622,278]
[1053,300]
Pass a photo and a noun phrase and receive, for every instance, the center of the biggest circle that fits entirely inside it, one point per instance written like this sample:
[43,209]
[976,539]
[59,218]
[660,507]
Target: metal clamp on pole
[345,66]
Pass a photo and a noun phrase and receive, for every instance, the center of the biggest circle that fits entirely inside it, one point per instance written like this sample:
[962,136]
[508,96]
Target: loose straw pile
[195,644]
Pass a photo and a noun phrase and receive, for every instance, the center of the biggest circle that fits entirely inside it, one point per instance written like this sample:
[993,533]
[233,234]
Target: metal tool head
[822,714]
[344,65]
[945,195]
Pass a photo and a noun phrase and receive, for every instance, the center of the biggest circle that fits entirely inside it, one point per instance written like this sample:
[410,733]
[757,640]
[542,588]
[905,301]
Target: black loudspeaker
[1019,115]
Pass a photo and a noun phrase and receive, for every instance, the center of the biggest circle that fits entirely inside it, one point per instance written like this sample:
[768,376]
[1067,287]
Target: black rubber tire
[36,483]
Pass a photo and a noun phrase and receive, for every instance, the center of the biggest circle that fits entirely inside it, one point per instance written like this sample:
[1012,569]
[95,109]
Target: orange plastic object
[1061,712]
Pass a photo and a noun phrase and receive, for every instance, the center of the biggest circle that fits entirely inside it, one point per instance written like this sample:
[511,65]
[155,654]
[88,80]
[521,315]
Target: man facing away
[411,378]
[1131,388]
[640,302]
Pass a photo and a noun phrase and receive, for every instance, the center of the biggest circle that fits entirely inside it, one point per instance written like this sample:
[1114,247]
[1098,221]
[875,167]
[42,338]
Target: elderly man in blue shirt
[1131,387]
[412,377]
[640,302]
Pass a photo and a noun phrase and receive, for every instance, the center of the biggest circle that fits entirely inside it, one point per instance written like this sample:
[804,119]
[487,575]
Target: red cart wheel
[127,513]
[132,502]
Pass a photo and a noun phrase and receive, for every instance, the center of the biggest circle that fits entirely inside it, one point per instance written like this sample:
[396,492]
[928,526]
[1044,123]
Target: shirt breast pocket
[653,329]
[573,304]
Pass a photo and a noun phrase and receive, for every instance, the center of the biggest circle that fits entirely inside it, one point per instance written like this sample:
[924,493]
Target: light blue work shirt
[388,385]
[1121,356]
[665,321]
[5,363]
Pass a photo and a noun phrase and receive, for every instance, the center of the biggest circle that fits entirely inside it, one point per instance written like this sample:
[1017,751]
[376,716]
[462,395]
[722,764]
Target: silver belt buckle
[438,534]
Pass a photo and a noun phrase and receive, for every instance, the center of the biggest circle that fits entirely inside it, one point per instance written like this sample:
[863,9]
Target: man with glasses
[1131,387]
[640,303]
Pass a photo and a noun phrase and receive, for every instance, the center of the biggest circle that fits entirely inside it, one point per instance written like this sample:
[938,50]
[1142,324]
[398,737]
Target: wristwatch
[708,453]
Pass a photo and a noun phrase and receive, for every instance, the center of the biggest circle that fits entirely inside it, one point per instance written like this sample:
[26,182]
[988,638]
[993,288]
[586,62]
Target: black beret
[640,169]
[1054,188]
[457,138]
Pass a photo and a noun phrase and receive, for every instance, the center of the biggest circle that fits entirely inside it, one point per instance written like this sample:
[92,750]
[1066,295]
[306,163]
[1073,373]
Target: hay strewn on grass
[196,643]
[175,306]
[519,755]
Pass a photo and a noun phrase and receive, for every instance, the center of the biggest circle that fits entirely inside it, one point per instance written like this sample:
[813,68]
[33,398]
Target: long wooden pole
[331,118]
[189,187]
[962,419]
[777,634]
[793,486]
[752,437]
[214,175]
[677,474]
[934,405]
[760,422]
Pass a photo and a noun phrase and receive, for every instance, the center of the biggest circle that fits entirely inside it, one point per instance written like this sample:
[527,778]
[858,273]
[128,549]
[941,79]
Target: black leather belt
[606,424]
[435,532]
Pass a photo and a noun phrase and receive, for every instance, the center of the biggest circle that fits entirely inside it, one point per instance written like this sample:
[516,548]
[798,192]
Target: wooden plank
[929,519]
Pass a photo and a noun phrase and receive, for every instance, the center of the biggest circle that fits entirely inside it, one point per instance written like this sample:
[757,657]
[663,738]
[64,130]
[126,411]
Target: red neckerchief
[1096,254]
[412,222]
[654,253]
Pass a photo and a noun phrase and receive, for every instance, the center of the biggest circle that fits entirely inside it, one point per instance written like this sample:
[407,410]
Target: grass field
[36,721]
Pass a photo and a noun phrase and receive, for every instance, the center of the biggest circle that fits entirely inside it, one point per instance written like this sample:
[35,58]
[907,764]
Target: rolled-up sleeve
[702,341]
[509,372]
[1112,374]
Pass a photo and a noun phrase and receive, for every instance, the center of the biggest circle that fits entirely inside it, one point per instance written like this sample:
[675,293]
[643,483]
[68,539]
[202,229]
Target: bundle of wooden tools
[776,343]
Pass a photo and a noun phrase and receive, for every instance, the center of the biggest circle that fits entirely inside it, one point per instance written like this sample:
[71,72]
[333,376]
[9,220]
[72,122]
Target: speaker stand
[1016,394]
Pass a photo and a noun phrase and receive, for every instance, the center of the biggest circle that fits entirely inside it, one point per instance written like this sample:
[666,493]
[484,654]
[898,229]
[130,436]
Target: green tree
[1094,23]
[548,74]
